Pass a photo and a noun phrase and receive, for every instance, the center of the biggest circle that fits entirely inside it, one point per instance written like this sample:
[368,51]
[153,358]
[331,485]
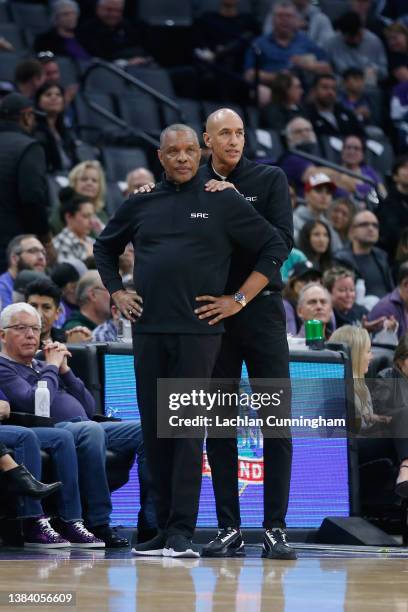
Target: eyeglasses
[367,224]
[23,329]
[33,251]
[353,148]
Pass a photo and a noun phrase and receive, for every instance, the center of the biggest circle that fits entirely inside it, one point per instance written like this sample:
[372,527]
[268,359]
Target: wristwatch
[240,298]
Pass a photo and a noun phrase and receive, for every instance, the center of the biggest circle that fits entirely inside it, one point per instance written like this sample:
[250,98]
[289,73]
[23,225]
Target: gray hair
[9,311]
[177,127]
[61,4]
[311,285]
[86,282]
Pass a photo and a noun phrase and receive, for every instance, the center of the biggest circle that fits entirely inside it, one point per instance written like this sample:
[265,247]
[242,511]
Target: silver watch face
[240,298]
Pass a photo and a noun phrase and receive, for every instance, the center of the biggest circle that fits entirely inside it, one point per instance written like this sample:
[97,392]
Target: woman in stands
[287,93]
[59,145]
[340,215]
[88,179]
[380,429]
[341,284]
[315,242]
[352,158]
[76,213]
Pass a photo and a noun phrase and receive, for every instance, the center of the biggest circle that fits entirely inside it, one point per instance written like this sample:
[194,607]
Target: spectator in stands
[315,242]
[66,276]
[352,158]
[71,408]
[401,252]
[393,211]
[314,22]
[24,252]
[220,39]
[301,135]
[399,116]
[368,261]
[340,215]
[61,39]
[367,14]
[58,143]
[353,46]
[24,278]
[315,303]
[356,99]
[93,301]
[340,282]
[395,303]
[126,263]
[301,274]
[329,117]
[137,178]
[378,416]
[319,191]
[284,49]
[45,297]
[110,36]
[24,195]
[287,92]
[396,36]
[28,77]
[88,179]
[108,331]
[76,213]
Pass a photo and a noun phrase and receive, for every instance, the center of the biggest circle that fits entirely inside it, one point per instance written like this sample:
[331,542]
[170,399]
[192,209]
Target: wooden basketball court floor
[321,579]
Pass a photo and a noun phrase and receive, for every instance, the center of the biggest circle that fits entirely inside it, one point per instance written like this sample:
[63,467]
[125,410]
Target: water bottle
[42,399]
[124,330]
[360,291]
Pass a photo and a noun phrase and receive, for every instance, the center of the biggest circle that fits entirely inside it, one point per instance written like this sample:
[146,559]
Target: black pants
[257,335]
[175,465]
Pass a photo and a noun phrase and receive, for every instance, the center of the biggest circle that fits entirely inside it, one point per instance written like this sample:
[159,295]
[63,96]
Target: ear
[207,139]
[160,156]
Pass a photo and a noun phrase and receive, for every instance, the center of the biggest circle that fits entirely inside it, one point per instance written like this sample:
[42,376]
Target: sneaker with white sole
[77,534]
[228,543]
[38,533]
[151,548]
[275,545]
[179,546]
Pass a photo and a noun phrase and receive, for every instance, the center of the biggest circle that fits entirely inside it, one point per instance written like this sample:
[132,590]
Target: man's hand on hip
[219,308]
[129,303]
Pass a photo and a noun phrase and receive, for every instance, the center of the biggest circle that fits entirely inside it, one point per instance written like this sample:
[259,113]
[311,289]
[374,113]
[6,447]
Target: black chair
[90,123]
[68,69]
[114,197]
[34,17]
[140,111]
[8,63]
[118,161]
[191,109]
[156,78]
[104,81]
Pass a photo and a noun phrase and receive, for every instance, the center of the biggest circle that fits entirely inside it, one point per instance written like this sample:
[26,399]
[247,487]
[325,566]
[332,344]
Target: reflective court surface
[321,579]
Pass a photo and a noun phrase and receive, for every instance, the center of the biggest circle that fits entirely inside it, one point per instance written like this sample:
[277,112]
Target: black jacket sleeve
[112,242]
[250,230]
[279,211]
[33,191]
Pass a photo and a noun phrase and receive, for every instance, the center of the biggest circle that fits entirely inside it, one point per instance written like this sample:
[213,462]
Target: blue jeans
[26,444]
[92,440]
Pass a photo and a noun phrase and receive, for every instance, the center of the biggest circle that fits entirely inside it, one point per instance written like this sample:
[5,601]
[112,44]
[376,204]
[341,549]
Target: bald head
[225,137]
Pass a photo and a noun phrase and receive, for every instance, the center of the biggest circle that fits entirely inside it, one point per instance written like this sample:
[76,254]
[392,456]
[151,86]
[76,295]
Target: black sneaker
[179,546]
[108,535]
[151,548]
[275,545]
[228,543]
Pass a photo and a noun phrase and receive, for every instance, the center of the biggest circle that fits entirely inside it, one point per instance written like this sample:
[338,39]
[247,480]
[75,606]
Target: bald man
[183,238]
[256,336]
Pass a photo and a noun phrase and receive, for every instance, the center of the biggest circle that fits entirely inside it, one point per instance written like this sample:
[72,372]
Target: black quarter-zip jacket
[183,238]
[265,188]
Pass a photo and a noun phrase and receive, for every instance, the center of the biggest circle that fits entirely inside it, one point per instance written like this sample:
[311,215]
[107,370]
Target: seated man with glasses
[93,300]
[368,261]
[24,252]
[71,408]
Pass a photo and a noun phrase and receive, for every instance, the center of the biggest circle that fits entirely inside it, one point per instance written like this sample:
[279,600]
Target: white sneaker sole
[44,546]
[187,554]
[148,553]
[90,545]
